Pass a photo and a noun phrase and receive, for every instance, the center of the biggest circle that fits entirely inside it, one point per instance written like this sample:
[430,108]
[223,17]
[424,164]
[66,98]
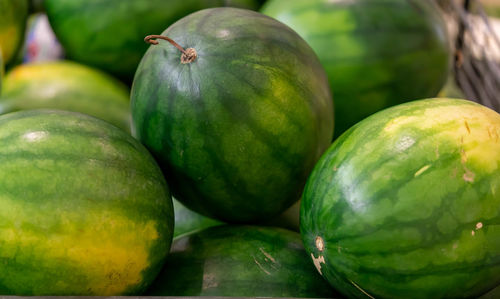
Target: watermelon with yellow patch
[84,209]
[406,204]
[66,85]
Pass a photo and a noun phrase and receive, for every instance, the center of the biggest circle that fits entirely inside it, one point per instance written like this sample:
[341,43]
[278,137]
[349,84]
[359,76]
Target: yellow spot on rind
[112,251]
[474,129]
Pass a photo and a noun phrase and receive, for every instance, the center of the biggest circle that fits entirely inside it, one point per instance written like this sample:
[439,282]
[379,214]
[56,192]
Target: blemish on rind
[260,266]
[209,281]
[463,156]
[467,126]
[493,133]
[468,176]
[421,170]
[317,262]
[479,225]
[320,244]
[267,255]
[363,291]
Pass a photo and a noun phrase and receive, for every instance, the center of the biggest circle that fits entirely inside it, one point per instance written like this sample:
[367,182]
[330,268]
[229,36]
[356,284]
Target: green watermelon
[406,203]
[187,221]
[13,17]
[84,208]
[69,86]
[377,53]
[238,127]
[109,34]
[240,261]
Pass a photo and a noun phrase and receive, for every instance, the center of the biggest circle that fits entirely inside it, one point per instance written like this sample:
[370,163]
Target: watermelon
[84,208]
[240,261]
[13,16]
[406,203]
[237,127]
[187,221]
[377,53]
[69,86]
[109,34]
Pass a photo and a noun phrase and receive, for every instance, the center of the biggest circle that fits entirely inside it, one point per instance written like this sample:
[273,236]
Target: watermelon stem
[188,55]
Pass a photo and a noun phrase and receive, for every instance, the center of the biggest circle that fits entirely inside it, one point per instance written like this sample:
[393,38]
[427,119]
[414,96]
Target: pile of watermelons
[246,112]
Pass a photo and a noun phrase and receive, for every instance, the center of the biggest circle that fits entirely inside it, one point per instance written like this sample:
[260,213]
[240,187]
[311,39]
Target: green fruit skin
[238,130]
[110,34]
[406,203]
[187,221]
[84,208]
[240,261]
[66,85]
[13,17]
[376,53]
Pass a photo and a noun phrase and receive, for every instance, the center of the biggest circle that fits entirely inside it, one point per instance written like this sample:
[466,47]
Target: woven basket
[476,68]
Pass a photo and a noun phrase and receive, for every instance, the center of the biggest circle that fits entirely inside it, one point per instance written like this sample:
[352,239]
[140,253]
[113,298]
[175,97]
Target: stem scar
[188,55]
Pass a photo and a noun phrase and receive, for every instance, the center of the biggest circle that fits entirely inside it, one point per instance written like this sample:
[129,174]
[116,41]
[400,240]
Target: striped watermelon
[377,53]
[68,86]
[109,34]
[84,209]
[238,128]
[240,261]
[406,204]
[13,17]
